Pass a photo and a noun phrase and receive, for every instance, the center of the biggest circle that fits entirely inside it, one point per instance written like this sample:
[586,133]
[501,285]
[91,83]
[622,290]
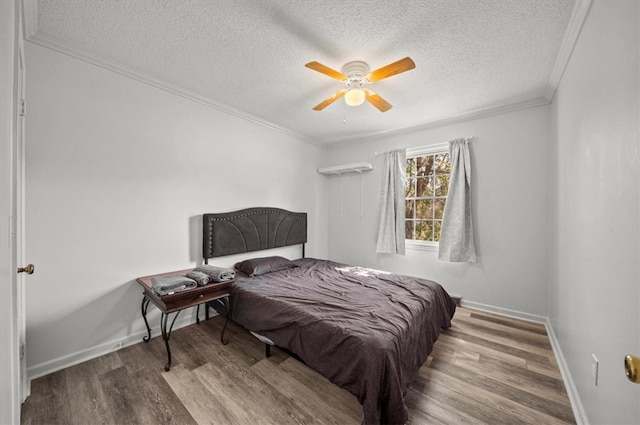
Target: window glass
[426,195]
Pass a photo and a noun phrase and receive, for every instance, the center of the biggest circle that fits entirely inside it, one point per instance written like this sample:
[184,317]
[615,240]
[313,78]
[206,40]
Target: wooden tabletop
[146,280]
[183,299]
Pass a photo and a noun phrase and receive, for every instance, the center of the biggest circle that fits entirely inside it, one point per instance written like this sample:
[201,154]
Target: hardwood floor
[486,369]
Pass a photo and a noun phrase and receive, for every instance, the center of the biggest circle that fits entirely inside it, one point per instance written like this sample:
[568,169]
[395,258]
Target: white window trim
[419,151]
[422,245]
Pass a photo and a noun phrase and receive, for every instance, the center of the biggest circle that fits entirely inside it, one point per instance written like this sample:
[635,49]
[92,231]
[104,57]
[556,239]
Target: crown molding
[441,122]
[576,22]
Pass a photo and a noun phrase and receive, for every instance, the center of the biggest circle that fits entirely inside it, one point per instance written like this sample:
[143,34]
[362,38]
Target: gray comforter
[366,331]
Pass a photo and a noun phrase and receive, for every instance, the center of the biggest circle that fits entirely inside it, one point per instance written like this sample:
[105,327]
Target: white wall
[118,176]
[594,296]
[510,177]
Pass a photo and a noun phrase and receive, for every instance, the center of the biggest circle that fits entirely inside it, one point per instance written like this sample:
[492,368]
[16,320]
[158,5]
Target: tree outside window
[425,195]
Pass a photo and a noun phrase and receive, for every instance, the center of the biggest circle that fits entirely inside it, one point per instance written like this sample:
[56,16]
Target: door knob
[28,270]
[632,368]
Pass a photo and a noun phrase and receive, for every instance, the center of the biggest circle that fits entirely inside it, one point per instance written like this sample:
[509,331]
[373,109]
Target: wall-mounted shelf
[357,167]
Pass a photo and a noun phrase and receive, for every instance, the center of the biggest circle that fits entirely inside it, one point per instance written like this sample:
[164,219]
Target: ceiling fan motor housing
[355,72]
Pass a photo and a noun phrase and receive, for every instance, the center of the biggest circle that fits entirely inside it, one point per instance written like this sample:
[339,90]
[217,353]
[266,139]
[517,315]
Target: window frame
[420,151]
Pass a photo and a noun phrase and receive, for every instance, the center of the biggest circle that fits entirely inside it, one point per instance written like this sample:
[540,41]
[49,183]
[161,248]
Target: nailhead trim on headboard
[214,231]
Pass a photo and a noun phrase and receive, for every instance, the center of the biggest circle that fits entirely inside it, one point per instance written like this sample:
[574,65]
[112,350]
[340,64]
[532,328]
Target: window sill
[420,246]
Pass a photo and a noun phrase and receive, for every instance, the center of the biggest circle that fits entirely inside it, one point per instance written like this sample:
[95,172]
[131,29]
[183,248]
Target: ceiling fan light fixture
[354,97]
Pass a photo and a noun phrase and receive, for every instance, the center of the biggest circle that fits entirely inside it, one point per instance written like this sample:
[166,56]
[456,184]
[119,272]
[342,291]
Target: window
[428,174]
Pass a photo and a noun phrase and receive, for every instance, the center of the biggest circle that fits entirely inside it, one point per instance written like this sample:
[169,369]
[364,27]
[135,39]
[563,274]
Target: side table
[177,302]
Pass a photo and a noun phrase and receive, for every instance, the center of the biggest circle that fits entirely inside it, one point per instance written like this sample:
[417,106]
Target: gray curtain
[392,203]
[456,235]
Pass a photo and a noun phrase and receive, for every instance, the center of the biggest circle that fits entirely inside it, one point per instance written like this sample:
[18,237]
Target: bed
[365,330]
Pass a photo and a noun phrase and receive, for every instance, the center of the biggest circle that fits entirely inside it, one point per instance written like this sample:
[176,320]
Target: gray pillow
[263,265]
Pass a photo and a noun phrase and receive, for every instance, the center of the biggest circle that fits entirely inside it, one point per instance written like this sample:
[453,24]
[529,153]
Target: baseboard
[572,392]
[72,359]
[504,311]
[576,404]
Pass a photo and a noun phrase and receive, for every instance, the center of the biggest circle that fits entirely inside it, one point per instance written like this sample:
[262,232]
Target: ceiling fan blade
[392,69]
[377,101]
[337,95]
[317,66]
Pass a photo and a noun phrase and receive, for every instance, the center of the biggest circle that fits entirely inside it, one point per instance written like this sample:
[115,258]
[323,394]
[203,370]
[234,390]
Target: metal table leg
[166,335]
[227,307]
[164,321]
[145,305]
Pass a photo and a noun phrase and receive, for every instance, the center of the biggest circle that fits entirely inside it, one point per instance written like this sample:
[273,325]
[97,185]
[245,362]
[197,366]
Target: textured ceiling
[248,56]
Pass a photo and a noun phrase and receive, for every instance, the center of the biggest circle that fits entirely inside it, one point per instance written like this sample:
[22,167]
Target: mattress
[365,330]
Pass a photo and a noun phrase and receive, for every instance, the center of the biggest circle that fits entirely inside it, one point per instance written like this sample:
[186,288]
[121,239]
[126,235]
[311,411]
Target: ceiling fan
[356,74]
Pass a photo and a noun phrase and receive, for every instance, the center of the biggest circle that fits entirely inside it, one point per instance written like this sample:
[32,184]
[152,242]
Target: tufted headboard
[251,229]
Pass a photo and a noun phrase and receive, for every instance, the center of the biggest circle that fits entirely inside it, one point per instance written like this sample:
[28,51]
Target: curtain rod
[468,139]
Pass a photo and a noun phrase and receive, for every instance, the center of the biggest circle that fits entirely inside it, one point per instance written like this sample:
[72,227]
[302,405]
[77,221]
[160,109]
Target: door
[10,380]
[20,230]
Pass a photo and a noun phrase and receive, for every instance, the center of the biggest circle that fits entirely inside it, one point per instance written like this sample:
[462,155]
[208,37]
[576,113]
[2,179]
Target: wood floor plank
[542,383]
[544,369]
[417,416]
[251,393]
[241,343]
[452,352]
[501,329]
[149,356]
[46,410]
[90,403]
[183,348]
[514,393]
[505,339]
[155,402]
[418,399]
[48,402]
[525,414]
[332,394]
[486,369]
[121,406]
[85,384]
[467,404]
[97,366]
[226,393]
[475,346]
[488,315]
[538,328]
[302,395]
[201,404]
[505,346]
[506,323]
